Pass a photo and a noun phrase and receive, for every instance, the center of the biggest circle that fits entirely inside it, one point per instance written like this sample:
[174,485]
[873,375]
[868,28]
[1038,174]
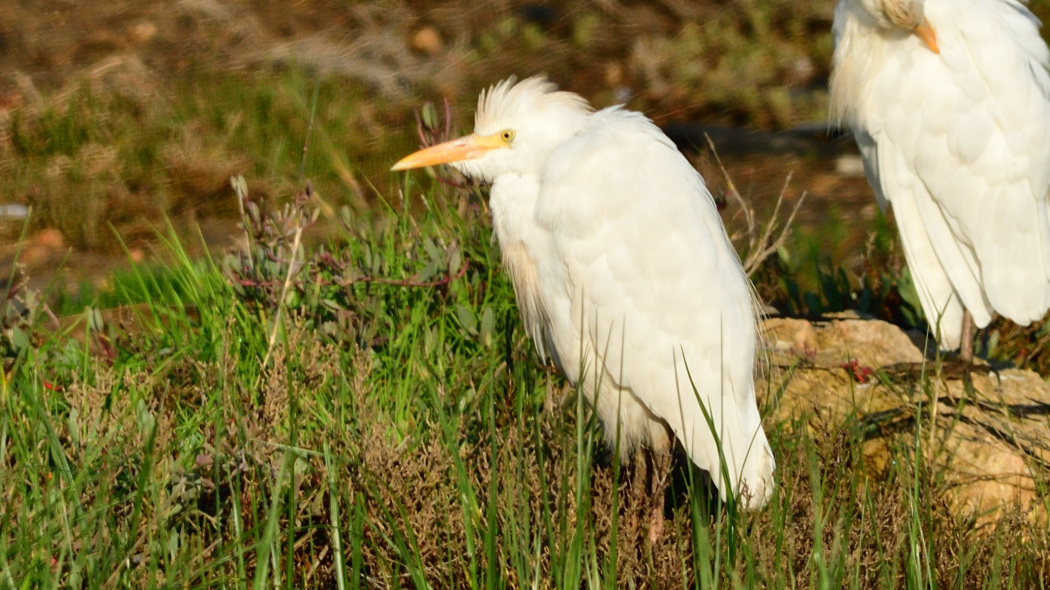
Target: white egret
[624,274]
[948,101]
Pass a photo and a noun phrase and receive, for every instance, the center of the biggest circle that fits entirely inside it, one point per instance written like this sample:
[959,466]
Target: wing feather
[655,286]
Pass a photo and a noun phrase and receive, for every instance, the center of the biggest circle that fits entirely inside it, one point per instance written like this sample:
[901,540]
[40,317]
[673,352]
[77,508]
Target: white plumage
[949,101]
[622,272]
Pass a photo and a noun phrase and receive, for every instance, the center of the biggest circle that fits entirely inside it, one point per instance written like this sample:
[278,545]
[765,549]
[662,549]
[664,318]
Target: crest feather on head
[504,98]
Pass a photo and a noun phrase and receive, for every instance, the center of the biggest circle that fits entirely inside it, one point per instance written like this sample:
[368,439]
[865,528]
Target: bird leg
[658,483]
[966,345]
[638,488]
[641,469]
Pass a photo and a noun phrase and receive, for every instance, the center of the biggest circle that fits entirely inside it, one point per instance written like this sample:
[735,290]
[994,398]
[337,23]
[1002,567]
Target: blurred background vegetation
[118,118]
[120,114]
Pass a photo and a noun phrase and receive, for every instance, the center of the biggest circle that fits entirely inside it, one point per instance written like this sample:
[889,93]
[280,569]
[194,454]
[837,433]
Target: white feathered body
[628,279]
[959,143]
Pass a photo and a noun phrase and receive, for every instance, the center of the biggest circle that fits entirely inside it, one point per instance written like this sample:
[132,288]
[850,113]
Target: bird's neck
[859,46]
[513,203]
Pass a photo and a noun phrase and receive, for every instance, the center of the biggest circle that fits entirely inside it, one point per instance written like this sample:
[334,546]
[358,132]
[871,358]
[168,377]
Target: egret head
[516,127]
[908,15]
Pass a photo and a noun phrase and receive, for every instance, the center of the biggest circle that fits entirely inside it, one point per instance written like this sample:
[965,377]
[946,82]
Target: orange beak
[465,148]
[925,32]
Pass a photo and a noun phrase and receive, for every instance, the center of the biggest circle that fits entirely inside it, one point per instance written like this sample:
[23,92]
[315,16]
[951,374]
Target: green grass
[377,418]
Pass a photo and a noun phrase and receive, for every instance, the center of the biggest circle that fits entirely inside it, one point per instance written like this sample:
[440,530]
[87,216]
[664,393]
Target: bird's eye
[507,135]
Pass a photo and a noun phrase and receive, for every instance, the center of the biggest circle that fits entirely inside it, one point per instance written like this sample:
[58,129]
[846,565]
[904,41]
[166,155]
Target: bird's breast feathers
[642,252]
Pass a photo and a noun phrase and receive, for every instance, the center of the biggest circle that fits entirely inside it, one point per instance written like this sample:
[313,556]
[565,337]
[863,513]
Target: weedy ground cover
[369,413]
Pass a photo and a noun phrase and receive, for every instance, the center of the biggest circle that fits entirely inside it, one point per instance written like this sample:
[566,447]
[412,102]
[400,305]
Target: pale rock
[142,32]
[427,40]
[850,166]
[42,248]
[986,451]
[49,238]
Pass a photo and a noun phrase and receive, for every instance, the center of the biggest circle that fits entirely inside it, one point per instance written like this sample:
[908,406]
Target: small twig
[448,121]
[240,187]
[756,257]
[427,130]
[317,562]
[776,209]
[309,127]
[57,323]
[423,142]
[760,247]
[284,292]
[749,213]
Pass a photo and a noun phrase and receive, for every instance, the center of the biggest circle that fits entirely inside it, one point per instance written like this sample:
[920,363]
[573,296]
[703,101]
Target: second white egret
[949,102]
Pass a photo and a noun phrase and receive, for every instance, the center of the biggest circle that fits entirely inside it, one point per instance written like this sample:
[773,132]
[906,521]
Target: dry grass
[402,499]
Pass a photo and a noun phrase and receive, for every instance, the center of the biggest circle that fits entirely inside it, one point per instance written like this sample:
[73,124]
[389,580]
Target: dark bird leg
[641,470]
[639,479]
[966,345]
[660,477]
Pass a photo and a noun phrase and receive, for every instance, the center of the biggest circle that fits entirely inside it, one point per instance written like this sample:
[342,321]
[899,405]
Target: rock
[849,165]
[142,32]
[986,449]
[42,248]
[14,211]
[841,338]
[427,40]
[48,238]
[802,71]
